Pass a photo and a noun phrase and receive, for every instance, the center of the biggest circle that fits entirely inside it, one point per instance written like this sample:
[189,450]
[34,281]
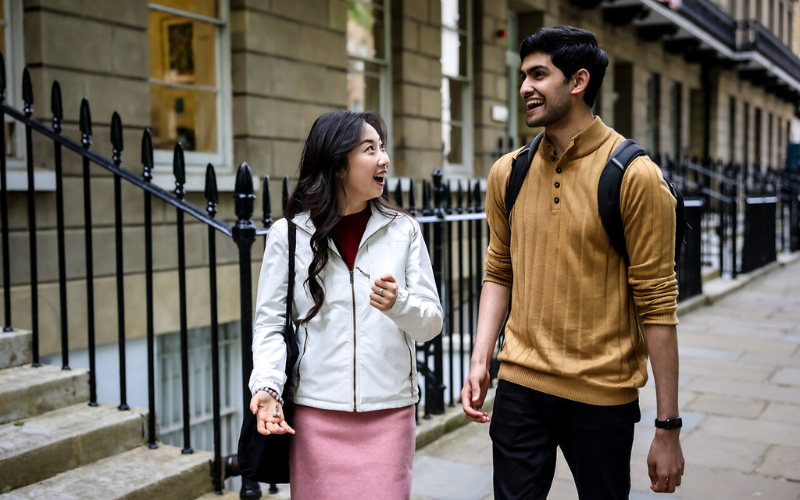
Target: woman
[364,293]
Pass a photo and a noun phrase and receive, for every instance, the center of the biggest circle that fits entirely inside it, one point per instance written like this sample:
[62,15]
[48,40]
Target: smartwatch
[669,424]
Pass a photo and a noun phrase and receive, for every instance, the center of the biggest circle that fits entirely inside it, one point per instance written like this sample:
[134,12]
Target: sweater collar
[585,142]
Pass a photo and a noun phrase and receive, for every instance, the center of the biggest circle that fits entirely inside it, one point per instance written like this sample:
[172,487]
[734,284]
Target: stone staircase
[54,445]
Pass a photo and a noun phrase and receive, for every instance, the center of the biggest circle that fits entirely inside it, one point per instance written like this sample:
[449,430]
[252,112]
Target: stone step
[26,392]
[38,448]
[15,348]
[138,474]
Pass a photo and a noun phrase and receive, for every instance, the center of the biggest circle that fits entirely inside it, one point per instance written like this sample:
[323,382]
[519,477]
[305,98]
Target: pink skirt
[338,454]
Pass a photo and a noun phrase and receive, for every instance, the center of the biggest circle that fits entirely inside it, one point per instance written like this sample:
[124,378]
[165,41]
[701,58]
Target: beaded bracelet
[272,392]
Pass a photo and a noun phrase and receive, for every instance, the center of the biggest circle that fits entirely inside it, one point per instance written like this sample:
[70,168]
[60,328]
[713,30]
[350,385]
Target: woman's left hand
[384,293]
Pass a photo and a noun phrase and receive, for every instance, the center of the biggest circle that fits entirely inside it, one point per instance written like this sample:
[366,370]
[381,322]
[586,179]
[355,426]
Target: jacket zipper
[302,355]
[353,290]
[410,368]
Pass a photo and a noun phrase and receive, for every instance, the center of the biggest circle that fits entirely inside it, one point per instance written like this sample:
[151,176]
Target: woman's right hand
[265,408]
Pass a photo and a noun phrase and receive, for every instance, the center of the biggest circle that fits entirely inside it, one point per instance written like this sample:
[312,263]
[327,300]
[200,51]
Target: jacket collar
[377,221]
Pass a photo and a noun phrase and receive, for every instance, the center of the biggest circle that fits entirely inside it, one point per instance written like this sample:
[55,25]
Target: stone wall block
[128,12]
[435,12]
[306,11]
[32,31]
[337,16]
[323,47]
[430,103]
[417,9]
[77,43]
[407,98]
[490,58]
[430,41]
[70,6]
[416,163]
[406,35]
[130,50]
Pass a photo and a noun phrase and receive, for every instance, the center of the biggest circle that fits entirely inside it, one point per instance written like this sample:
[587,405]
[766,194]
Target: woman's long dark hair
[320,187]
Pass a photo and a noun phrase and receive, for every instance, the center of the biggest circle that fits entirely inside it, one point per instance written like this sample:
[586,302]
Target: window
[369,83]
[457,86]
[676,118]
[169,395]
[731,129]
[189,75]
[11,44]
[653,114]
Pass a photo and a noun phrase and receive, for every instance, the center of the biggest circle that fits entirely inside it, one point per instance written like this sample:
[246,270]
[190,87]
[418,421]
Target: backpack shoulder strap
[608,193]
[519,169]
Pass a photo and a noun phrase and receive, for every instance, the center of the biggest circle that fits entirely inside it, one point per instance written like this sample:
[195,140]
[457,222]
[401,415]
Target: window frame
[196,162]
[15,65]
[385,63]
[466,167]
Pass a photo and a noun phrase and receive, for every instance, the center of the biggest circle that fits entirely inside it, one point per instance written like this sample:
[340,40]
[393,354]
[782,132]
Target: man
[581,322]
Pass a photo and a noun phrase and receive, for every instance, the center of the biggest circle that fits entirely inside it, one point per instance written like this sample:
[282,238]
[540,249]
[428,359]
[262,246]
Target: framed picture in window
[177,37]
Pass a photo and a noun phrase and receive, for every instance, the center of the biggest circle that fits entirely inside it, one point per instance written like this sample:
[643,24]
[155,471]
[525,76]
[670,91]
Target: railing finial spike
[398,193]
[116,137]
[211,192]
[284,193]
[147,155]
[86,119]
[56,106]
[266,202]
[27,92]
[179,170]
[244,195]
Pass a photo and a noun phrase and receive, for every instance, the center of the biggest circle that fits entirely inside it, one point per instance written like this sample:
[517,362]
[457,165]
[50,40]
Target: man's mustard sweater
[576,323]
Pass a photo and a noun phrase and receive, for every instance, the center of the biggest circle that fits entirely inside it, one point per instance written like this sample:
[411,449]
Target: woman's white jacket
[353,357]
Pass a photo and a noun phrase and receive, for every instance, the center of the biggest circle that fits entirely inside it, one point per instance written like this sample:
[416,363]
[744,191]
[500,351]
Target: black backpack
[608,192]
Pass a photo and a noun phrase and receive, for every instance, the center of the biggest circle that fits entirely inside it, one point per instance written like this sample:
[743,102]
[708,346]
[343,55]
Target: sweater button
[556,200]
[558,170]
[552,158]
[558,184]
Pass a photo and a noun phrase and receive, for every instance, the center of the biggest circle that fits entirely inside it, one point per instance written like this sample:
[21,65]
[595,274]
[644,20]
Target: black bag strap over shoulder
[608,193]
[288,330]
[519,169]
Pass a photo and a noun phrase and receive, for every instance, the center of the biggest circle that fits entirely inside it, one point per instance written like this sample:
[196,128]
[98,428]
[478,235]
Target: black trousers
[528,425]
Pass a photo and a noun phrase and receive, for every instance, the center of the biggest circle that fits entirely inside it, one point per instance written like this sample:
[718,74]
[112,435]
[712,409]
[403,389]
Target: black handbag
[266,458]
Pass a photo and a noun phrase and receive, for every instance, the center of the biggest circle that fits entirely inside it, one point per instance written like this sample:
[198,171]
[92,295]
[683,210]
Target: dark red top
[347,235]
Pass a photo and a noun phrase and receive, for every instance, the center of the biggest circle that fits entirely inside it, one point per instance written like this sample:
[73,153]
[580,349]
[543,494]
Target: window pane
[365,30]
[454,147]
[363,86]
[11,139]
[208,8]
[183,115]
[454,53]
[452,100]
[182,50]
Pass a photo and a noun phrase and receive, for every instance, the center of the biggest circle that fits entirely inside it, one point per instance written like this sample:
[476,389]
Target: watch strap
[670,423]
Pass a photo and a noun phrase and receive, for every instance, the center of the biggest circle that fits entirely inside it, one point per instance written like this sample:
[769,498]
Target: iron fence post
[435,389]
[4,206]
[244,235]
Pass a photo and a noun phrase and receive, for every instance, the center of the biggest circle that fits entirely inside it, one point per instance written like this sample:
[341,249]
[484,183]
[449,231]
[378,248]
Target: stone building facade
[243,80]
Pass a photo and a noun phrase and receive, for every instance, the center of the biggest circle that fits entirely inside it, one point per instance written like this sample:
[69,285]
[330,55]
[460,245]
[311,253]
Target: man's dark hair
[570,49]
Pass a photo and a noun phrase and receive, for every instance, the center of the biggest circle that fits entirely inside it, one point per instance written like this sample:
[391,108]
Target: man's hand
[265,408]
[665,461]
[474,393]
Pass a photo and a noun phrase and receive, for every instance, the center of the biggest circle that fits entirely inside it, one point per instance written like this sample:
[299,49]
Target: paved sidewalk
[739,398]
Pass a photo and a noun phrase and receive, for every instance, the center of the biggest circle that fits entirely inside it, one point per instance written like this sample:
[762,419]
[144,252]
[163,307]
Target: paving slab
[64,439]
[724,369]
[439,479]
[786,377]
[750,390]
[782,413]
[764,431]
[27,392]
[731,406]
[782,462]
[721,452]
